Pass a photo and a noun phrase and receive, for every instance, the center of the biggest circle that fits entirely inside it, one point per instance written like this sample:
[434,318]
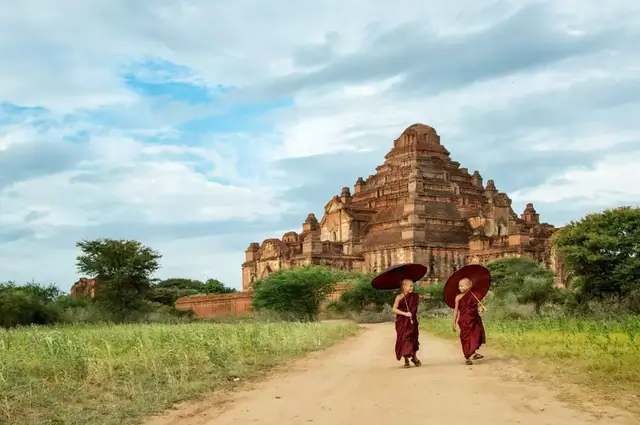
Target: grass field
[115,374]
[603,355]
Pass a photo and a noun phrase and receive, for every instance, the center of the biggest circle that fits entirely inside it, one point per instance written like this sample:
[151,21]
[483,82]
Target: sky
[199,126]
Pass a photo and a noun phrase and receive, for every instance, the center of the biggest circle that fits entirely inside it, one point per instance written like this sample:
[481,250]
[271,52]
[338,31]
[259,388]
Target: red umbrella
[477,274]
[392,277]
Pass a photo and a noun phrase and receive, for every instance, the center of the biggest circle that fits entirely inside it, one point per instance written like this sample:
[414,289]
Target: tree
[296,293]
[44,293]
[603,250]
[362,294]
[123,270]
[214,286]
[180,283]
[537,291]
[508,274]
[168,291]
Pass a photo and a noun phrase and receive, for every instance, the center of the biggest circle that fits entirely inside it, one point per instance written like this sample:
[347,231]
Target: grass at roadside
[603,355]
[117,374]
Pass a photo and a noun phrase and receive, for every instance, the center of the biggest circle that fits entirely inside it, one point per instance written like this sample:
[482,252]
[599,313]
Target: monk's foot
[468,362]
[416,362]
[406,363]
[478,356]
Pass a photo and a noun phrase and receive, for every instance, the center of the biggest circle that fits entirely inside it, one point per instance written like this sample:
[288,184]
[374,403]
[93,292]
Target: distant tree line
[125,289]
[601,252]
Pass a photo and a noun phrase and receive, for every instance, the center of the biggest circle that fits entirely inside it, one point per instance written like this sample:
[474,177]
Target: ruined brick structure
[83,288]
[420,206]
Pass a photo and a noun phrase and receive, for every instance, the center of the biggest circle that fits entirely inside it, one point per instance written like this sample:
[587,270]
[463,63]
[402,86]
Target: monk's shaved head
[464,284]
[407,285]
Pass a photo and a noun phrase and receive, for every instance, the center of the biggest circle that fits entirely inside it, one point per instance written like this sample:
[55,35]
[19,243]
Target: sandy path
[359,382]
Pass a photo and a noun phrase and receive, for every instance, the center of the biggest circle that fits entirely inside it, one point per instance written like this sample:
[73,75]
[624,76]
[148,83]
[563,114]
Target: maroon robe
[406,332]
[472,334]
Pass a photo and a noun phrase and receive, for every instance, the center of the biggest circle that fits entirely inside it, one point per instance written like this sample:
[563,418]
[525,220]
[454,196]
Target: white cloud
[123,174]
[611,181]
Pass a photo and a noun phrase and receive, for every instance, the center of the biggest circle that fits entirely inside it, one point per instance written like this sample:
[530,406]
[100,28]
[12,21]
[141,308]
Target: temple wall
[440,262]
[381,259]
[232,304]
[336,225]
[248,275]
[216,305]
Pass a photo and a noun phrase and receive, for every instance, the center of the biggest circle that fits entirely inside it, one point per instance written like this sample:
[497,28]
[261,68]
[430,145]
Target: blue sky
[200,126]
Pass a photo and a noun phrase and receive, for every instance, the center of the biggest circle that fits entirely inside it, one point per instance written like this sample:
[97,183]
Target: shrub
[508,274]
[295,293]
[19,308]
[336,307]
[363,296]
[537,291]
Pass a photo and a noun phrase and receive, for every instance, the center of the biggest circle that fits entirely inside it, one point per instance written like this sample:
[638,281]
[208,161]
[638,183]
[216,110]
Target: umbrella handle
[479,302]
[407,305]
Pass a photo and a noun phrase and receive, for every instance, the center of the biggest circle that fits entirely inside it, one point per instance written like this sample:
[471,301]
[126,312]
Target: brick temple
[420,206]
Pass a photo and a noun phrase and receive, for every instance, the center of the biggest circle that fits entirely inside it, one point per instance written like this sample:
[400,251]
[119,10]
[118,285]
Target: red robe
[472,334]
[406,332]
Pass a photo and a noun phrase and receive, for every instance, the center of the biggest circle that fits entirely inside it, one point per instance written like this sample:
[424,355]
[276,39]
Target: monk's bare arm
[456,312]
[395,307]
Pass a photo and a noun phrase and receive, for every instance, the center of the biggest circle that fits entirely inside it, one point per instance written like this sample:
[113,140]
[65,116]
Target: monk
[467,314]
[405,307]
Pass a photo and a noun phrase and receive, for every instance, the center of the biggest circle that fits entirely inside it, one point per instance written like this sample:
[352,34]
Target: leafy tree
[603,250]
[214,286]
[537,291]
[41,292]
[362,295]
[168,291]
[180,283]
[508,274]
[123,270]
[296,292]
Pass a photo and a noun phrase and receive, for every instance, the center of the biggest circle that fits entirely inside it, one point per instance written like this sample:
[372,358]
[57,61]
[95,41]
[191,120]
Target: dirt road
[359,382]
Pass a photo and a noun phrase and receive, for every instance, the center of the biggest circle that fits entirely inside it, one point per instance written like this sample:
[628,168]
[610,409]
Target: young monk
[405,307]
[467,314]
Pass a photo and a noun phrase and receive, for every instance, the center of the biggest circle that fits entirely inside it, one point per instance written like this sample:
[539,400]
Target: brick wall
[230,304]
[216,305]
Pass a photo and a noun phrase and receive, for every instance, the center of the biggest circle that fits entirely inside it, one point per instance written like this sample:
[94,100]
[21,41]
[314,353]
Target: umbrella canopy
[477,274]
[392,277]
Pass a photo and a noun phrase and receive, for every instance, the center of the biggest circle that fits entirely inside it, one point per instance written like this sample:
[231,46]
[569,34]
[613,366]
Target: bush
[538,291]
[508,274]
[295,293]
[28,304]
[363,296]
[20,308]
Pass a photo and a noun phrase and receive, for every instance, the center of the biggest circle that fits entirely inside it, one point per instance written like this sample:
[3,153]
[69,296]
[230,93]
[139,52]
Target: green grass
[117,374]
[604,355]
